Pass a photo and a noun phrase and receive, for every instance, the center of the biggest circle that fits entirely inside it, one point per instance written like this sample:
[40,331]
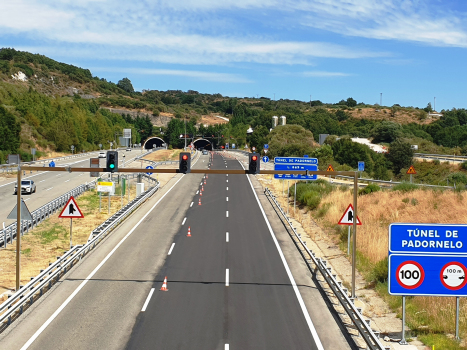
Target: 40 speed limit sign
[410,274]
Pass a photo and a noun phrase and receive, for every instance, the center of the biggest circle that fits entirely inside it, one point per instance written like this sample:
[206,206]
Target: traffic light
[253,164]
[111,161]
[185,162]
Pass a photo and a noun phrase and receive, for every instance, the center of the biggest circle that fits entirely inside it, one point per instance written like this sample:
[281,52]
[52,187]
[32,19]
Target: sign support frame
[18,229]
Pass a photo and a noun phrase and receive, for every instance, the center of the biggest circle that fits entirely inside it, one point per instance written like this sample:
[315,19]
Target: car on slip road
[27,186]
[102,155]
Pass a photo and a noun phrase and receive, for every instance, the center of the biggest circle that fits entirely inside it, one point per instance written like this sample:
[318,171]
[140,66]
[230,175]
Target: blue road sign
[295,163]
[306,156]
[428,238]
[266,146]
[227,145]
[149,167]
[233,145]
[425,274]
[265,159]
[361,166]
[52,164]
[427,259]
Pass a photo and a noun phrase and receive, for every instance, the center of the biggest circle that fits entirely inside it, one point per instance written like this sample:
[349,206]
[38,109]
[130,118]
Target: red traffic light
[255,158]
[184,157]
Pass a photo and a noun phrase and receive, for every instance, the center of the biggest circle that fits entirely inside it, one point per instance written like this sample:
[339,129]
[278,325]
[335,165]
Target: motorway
[49,185]
[236,283]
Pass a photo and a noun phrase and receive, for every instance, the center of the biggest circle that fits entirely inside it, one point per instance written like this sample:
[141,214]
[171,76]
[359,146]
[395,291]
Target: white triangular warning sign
[71,210]
[347,218]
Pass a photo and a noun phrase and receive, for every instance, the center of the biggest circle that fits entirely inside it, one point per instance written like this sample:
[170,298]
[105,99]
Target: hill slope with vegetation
[51,106]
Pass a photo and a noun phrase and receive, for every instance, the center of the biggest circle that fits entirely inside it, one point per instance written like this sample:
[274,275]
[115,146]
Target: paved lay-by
[227,285]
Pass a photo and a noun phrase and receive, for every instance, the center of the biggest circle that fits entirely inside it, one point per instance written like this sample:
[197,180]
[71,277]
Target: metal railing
[361,324]
[13,167]
[8,234]
[33,290]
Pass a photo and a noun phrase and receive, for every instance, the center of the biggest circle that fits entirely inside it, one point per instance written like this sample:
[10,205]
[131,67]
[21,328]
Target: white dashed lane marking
[227,214]
[227,188]
[191,204]
[226,199]
[147,300]
[183,223]
[226,236]
[226,277]
[171,248]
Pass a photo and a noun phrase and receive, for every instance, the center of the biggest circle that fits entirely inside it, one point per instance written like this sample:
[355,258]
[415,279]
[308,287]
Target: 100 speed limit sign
[410,274]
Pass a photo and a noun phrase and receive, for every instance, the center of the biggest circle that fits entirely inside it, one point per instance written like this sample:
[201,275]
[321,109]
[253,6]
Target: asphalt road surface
[229,285]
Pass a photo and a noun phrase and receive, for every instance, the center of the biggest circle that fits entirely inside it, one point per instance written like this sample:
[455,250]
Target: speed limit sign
[410,274]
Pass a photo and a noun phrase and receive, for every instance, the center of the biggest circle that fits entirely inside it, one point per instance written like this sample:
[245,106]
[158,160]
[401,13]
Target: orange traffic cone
[207,176]
[201,193]
[205,182]
[189,232]
[202,188]
[164,285]
[199,202]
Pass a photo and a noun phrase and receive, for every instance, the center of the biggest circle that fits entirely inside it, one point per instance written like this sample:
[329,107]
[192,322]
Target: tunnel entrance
[203,143]
[150,142]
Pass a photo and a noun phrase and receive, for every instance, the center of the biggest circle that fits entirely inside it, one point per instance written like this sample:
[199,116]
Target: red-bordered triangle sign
[347,218]
[71,210]
[411,170]
[330,168]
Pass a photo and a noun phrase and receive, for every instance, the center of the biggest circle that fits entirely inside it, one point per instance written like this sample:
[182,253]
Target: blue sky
[411,51]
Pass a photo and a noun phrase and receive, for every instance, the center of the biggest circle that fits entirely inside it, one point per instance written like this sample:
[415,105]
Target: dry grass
[163,155]
[51,239]
[376,211]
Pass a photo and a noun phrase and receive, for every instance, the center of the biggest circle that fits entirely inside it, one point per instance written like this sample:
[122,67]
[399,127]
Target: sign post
[71,210]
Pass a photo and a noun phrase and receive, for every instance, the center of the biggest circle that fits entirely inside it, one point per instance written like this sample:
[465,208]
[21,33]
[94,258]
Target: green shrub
[406,200]
[414,201]
[405,187]
[380,271]
[369,189]
[458,178]
[311,199]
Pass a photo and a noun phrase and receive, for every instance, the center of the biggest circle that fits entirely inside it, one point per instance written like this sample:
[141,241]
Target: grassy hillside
[59,105]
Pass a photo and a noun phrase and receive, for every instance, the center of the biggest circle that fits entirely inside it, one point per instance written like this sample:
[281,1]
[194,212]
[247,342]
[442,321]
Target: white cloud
[324,74]
[200,75]
[188,33]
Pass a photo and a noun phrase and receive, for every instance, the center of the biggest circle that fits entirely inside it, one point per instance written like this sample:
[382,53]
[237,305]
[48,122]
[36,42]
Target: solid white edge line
[171,248]
[86,280]
[313,331]
[183,223]
[191,204]
[226,277]
[147,300]
[226,236]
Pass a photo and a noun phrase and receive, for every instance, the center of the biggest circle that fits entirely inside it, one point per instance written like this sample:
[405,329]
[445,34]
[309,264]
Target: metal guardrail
[13,167]
[360,179]
[361,324]
[33,290]
[438,155]
[8,234]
